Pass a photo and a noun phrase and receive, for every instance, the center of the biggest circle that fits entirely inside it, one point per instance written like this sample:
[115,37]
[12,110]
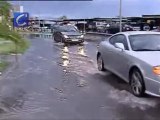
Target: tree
[5,31]
[63,17]
[5,9]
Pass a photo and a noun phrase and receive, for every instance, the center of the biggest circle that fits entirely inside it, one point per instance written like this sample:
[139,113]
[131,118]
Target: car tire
[55,38]
[81,43]
[137,83]
[62,40]
[100,63]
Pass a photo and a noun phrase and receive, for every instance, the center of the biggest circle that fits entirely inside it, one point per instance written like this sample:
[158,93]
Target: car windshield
[145,42]
[67,29]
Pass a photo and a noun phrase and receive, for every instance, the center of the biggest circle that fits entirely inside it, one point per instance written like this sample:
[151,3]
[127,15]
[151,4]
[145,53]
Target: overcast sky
[90,9]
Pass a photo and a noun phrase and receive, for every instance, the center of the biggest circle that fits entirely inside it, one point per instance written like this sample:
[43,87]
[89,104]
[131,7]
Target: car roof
[138,32]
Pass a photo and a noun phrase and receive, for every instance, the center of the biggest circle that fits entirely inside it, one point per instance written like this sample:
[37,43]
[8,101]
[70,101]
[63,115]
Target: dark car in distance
[114,28]
[68,34]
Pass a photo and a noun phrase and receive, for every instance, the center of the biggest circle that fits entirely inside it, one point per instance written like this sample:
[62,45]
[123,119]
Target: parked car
[68,34]
[114,28]
[134,57]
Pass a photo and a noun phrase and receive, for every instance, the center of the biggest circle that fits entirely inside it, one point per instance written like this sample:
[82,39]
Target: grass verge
[3,65]
[8,47]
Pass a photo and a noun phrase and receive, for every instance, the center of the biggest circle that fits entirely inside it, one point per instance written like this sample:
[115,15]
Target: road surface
[57,82]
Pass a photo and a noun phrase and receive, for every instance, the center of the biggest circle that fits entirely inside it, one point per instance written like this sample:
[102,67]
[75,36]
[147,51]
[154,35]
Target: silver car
[134,57]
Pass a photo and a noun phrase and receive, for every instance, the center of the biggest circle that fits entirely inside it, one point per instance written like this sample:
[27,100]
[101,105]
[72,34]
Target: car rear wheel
[137,83]
[100,63]
[55,38]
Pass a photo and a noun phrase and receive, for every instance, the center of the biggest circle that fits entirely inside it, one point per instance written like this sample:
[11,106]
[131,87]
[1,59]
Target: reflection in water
[41,35]
[65,49]
[81,51]
[13,101]
[65,63]
[97,46]
[65,56]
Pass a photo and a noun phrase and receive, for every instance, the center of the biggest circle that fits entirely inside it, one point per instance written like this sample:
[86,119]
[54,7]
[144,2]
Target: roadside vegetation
[10,40]
[3,65]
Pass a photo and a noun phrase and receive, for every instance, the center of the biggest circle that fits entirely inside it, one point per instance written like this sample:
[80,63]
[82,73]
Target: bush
[13,36]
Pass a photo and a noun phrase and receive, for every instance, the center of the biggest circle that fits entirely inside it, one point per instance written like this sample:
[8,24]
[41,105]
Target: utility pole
[84,29]
[120,16]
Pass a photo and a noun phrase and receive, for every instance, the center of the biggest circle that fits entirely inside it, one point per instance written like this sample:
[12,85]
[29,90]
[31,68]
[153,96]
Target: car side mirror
[120,46]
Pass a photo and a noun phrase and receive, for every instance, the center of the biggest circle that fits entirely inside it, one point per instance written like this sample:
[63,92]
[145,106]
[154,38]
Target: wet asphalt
[56,82]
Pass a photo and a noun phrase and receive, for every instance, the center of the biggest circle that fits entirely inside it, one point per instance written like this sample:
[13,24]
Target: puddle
[81,83]
[81,51]
[42,58]
[41,35]
[56,89]
[65,49]
[75,59]
[12,99]
[127,98]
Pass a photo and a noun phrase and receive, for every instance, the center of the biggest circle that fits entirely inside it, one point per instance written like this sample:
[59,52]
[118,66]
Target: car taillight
[156,70]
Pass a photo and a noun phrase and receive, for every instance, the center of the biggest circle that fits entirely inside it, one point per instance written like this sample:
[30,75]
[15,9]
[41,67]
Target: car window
[67,29]
[119,39]
[145,42]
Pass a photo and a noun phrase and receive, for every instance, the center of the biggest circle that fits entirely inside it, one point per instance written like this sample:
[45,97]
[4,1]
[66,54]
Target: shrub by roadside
[8,47]
[3,66]
[11,42]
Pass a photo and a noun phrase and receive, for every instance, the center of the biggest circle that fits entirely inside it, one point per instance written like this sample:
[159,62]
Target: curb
[97,33]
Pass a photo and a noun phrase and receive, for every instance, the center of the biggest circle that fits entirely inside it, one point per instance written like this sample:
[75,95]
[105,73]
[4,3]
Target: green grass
[3,65]
[9,48]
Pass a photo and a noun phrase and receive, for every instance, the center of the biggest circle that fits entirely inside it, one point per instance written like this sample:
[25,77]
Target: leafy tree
[5,9]
[5,31]
[8,34]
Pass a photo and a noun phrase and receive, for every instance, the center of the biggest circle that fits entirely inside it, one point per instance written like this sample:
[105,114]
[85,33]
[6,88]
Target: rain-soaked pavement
[57,82]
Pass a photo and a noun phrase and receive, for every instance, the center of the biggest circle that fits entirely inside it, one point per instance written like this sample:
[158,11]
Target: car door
[108,54]
[119,57]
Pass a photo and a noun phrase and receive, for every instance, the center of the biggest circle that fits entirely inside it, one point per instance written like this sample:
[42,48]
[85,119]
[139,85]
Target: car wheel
[61,40]
[81,43]
[55,38]
[100,63]
[137,83]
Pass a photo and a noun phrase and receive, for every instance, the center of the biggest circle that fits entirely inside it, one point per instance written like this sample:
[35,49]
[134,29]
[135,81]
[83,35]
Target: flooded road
[57,82]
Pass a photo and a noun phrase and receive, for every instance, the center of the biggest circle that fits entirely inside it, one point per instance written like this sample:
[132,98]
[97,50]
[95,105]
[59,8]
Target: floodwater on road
[56,82]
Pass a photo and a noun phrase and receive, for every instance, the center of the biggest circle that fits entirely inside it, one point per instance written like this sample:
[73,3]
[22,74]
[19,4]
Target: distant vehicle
[114,28]
[68,34]
[146,28]
[97,27]
[82,27]
[134,57]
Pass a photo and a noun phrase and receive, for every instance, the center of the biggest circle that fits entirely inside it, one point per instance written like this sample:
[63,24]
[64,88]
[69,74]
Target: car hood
[150,57]
[71,33]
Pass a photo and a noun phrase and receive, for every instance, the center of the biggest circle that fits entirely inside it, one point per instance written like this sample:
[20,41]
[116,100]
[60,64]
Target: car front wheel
[137,83]
[100,63]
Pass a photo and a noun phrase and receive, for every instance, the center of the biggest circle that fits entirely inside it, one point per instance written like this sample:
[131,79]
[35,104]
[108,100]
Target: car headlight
[65,36]
[81,36]
[156,70]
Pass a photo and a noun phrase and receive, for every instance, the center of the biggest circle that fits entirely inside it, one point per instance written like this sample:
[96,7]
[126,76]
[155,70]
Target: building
[17,8]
